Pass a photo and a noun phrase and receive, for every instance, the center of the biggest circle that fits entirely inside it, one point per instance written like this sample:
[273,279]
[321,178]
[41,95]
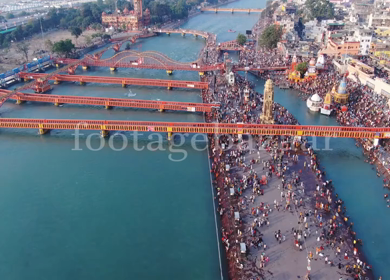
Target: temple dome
[312,62]
[343,86]
[316,98]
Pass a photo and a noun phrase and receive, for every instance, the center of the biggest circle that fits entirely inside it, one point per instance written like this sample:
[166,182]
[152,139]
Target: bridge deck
[182,127]
[113,102]
[118,80]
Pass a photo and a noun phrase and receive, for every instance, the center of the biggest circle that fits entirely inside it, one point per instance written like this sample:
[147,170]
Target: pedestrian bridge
[231,10]
[143,60]
[44,125]
[124,81]
[110,102]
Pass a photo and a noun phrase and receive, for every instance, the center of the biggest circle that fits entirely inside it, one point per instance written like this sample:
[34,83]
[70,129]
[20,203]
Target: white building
[314,102]
[364,36]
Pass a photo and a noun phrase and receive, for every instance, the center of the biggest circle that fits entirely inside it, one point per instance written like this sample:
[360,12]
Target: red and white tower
[138,7]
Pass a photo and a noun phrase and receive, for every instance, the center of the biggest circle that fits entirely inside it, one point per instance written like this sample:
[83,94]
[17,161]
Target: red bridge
[261,69]
[115,80]
[232,10]
[145,60]
[111,102]
[182,127]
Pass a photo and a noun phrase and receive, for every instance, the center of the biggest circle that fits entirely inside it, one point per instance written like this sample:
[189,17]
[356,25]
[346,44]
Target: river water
[71,214]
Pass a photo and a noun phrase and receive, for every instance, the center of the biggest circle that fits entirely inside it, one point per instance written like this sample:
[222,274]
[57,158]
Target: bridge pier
[168,33]
[196,35]
[183,34]
[57,65]
[112,68]
[26,79]
[123,84]
[104,133]
[169,72]
[232,11]
[18,101]
[201,73]
[57,103]
[42,87]
[42,130]
[56,82]
[161,110]
[82,83]
[169,136]
[85,67]
[116,48]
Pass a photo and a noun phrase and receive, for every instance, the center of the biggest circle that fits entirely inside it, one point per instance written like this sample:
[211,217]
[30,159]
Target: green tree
[127,46]
[63,47]
[23,48]
[106,37]
[9,16]
[48,44]
[319,9]
[241,39]
[271,36]
[75,31]
[301,67]
[88,39]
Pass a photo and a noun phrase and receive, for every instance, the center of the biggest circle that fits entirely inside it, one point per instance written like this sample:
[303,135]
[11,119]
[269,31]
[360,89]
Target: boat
[232,31]
[326,111]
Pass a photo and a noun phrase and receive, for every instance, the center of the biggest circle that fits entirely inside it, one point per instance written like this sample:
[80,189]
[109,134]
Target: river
[131,214]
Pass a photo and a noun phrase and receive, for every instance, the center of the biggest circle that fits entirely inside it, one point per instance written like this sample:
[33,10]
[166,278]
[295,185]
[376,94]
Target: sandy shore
[11,58]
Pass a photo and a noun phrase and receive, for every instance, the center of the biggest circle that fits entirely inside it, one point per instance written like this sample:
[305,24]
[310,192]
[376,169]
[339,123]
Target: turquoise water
[136,214]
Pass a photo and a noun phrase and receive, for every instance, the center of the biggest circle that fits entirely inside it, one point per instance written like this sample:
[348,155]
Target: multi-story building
[128,20]
[379,20]
[364,36]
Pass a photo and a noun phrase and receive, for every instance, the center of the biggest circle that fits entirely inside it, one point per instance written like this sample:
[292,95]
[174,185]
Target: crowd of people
[243,170]
[365,107]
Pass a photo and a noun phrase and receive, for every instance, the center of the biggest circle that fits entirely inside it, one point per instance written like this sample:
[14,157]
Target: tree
[241,39]
[127,46]
[301,67]
[23,48]
[88,40]
[48,44]
[9,16]
[106,37]
[63,47]
[271,36]
[319,9]
[75,31]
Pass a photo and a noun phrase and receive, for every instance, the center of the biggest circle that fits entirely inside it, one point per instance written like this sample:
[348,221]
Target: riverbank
[257,177]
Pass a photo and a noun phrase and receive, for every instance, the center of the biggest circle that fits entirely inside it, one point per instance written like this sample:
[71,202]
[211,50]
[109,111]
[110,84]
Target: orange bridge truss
[112,102]
[211,128]
[116,80]
[232,10]
[147,60]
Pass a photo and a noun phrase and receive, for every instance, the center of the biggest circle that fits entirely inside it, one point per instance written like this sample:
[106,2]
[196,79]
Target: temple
[341,95]
[128,20]
[267,116]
